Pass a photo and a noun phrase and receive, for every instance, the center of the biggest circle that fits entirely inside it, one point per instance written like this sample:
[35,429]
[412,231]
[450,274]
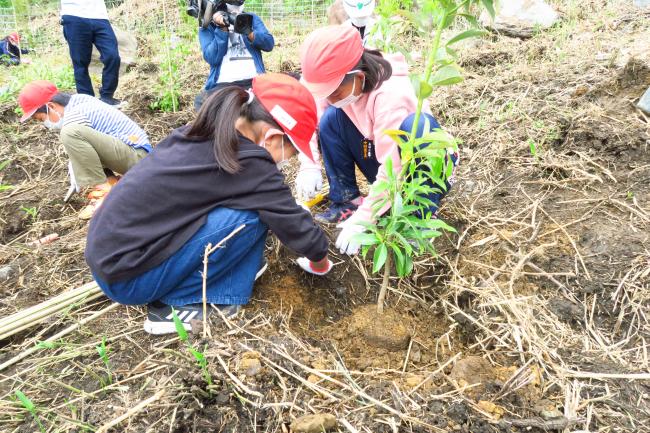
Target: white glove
[308,182]
[305,264]
[73,179]
[344,241]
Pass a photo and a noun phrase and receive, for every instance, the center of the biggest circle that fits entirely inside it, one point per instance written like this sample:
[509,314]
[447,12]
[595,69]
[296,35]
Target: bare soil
[538,305]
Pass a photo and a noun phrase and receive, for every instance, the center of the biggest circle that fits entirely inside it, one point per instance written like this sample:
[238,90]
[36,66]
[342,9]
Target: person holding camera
[232,44]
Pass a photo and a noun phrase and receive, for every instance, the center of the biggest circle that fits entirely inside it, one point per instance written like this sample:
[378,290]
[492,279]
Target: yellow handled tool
[322,195]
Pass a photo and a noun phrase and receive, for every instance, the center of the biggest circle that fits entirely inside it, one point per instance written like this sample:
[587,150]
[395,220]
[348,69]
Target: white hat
[359,8]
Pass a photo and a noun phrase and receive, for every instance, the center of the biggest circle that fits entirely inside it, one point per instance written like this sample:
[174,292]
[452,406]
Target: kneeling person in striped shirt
[95,135]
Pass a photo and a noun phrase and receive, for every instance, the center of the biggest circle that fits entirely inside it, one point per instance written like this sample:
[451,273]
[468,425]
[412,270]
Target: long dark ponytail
[375,68]
[216,120]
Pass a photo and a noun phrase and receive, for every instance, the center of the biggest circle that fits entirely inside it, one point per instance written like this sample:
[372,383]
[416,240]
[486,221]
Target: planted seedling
[30,407]
[102,350]
[32,212]
[409,228]
[198,355]
[3,165]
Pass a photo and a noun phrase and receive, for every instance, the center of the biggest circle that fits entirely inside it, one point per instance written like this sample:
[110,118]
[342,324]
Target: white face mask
[283,162]
[351,98]
[232,9]
[360,21]
[52,125]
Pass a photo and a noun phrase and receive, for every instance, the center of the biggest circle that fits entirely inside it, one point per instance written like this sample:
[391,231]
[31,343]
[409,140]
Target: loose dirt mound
[533,318]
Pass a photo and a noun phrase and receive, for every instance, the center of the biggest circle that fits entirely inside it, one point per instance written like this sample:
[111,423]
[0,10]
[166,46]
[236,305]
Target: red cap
[291,105]
[327,55]
[15,36]
[34,95]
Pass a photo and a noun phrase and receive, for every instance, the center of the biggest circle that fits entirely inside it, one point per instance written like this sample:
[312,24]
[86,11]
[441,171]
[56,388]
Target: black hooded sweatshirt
[164,200]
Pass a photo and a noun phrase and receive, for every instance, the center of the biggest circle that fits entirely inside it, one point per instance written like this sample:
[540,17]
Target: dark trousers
[179,279]
[343,147]
[81,34]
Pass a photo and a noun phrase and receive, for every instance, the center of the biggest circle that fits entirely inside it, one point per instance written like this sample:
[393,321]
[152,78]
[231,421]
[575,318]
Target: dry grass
[548,278]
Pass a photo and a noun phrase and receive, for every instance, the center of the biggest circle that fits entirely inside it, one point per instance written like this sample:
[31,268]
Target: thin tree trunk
[384,284]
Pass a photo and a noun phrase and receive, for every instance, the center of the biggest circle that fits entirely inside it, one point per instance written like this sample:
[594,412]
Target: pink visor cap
[327,55]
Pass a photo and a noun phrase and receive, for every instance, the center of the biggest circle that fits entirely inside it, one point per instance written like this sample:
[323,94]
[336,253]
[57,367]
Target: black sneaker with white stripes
[160,319]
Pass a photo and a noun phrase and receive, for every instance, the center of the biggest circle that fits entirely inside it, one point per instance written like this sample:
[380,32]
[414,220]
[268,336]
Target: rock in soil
[316,423]
[547,410]
[644,103]
[471,370]
[520,18]
[250,364]
[386,331]
[6,273]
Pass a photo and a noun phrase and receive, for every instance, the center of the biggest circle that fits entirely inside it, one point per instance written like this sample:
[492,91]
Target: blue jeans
[343,147]
[179,279]
[81,34]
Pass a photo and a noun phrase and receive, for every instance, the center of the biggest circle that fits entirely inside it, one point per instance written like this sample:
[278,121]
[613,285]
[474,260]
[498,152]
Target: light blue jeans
[179,279]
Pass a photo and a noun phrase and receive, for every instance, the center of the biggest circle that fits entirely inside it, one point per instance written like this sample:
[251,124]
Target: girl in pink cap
[361,94]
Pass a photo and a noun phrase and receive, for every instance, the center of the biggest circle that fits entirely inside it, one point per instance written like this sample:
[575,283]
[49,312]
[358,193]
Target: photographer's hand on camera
[220,19]
[246,30]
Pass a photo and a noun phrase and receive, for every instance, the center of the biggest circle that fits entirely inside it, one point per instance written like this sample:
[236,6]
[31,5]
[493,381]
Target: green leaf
[399,259]
[4,164]
[408,265]
[489,5]
[471,33]
[26,402]
[180,329]
[379,187]
[366,239]
[422,88]
[199,356]
[453,53]
[471,19]
[379,258]
[446,76]
[5,187]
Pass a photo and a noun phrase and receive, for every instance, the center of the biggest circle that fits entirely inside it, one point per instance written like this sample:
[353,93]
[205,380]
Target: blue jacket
[214,44]
[9,53]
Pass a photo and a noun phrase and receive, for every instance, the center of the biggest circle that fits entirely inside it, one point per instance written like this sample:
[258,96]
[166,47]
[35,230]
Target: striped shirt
[89,111]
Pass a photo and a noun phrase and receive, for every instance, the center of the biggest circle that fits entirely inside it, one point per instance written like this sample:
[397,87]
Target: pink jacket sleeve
[387,115]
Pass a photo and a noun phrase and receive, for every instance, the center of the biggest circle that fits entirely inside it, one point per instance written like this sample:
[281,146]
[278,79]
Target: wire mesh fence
[276,14]
[7,21]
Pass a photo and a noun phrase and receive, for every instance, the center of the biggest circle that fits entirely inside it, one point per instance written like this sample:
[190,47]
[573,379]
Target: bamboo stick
[63,297]
[36,314]
[56,336]
[43,315]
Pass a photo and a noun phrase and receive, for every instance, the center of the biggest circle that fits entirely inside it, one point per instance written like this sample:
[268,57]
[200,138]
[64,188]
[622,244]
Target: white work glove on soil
[309,182]
[344,242]
[73,179]
[305,264]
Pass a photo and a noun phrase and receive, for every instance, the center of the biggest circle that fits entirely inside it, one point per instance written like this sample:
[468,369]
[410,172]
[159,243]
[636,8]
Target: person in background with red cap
[11,52]
[362,93]
[95,135]
[146,243]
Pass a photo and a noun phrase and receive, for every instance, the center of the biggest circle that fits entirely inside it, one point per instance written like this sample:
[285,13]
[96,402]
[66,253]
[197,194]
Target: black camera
[203,10]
